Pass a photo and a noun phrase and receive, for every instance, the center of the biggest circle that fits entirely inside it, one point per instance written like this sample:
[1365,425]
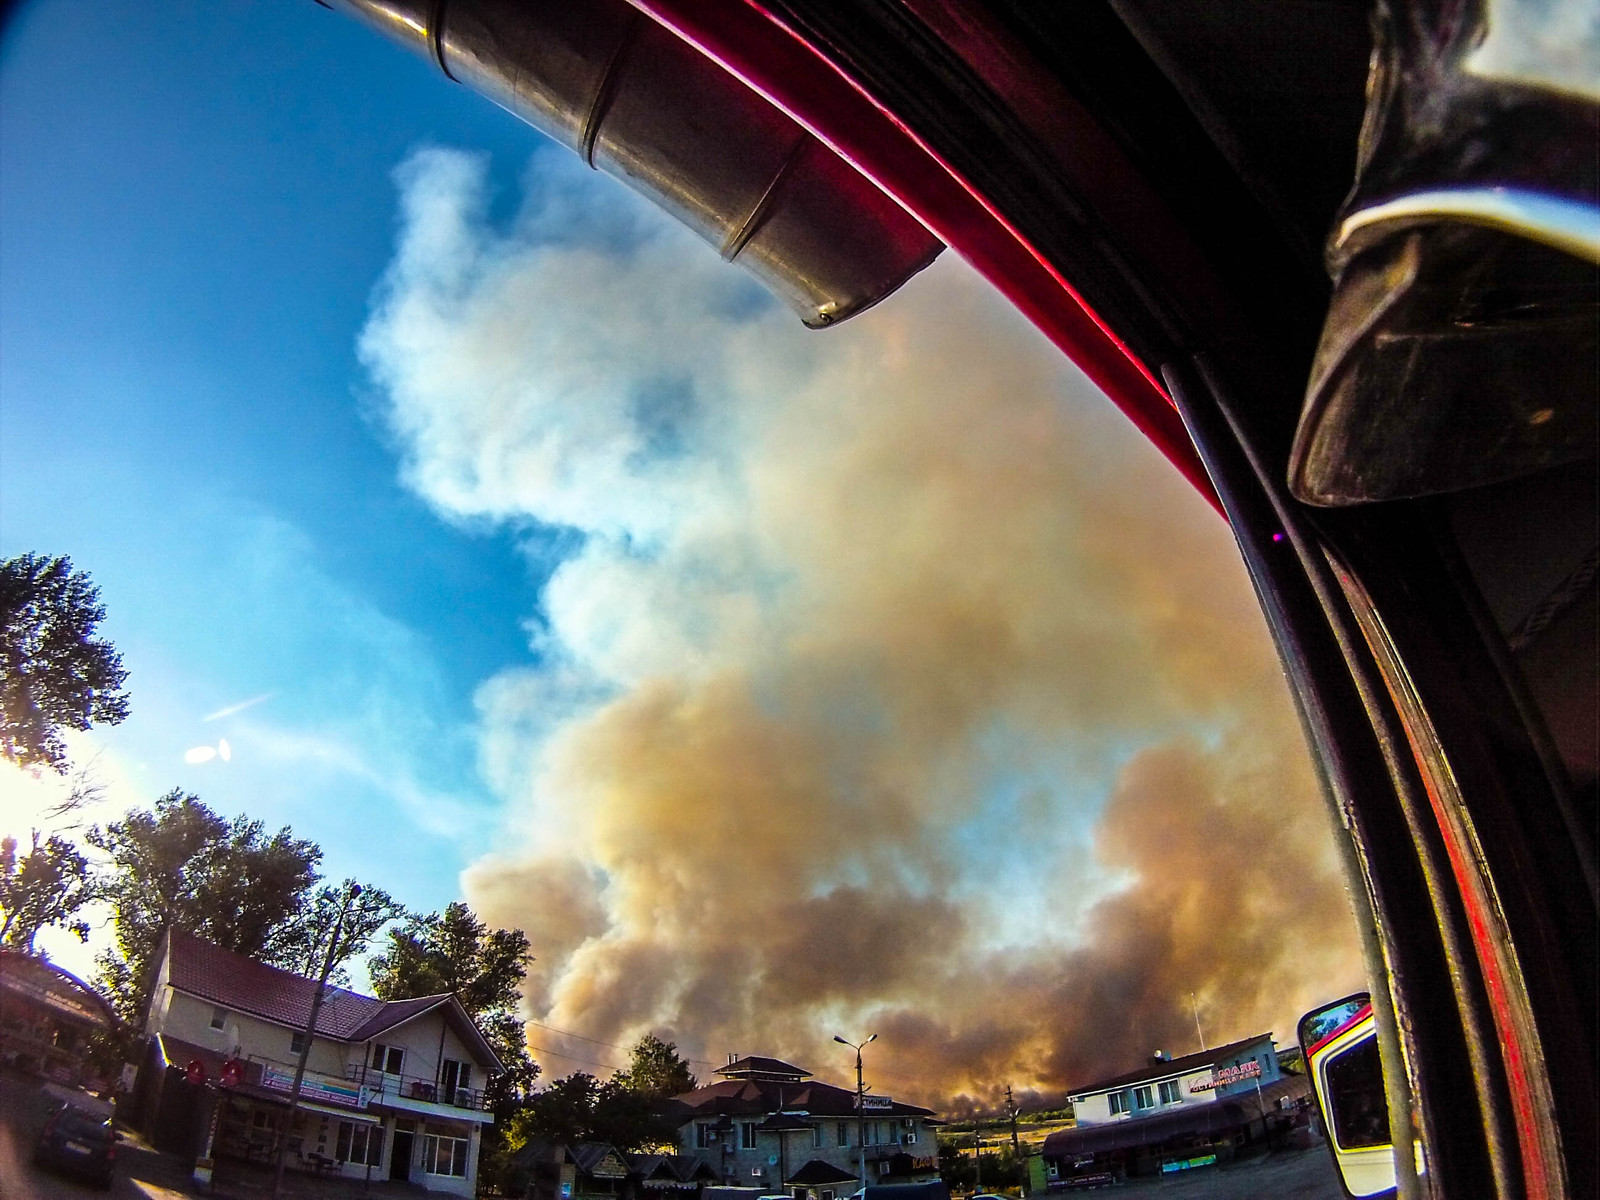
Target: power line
[561,1054]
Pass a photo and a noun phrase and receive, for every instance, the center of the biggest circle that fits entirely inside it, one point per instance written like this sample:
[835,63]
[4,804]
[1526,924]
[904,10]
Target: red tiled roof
[741,1097]
[755,1067]
[236,981]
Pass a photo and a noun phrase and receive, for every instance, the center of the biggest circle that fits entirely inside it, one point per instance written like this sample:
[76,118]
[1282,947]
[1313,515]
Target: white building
[1175,1114]
[767,1124]
[392,1089]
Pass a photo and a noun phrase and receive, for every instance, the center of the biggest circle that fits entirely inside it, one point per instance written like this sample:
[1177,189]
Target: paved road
[1284,1175]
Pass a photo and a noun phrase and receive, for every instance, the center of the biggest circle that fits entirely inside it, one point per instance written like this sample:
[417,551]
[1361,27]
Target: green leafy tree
[299,945]
[181,866]
[655,1070]
[54,673]
[580,1108]
[46,886]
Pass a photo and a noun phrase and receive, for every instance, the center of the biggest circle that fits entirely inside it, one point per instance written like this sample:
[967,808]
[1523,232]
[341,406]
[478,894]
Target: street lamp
[861,1110]
[310,1032]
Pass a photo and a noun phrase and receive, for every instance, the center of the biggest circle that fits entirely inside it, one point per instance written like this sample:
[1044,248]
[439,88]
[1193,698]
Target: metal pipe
[635,101]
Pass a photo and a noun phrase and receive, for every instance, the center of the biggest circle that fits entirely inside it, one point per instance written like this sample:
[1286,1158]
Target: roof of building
[753,1067]
[1230,1113]
[817,1173]
[1167,1067]
[34,980]
[752,1097]
[244,984]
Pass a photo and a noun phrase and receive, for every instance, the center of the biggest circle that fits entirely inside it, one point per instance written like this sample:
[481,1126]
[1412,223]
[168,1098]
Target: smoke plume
[892,684]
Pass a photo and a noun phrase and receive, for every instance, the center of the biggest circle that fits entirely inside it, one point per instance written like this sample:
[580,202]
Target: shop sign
[1222,1078]
[1187,1164]
[876,1103]
[313,1087]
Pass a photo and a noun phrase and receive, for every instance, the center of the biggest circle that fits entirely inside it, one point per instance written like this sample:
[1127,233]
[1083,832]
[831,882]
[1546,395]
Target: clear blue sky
[195,205]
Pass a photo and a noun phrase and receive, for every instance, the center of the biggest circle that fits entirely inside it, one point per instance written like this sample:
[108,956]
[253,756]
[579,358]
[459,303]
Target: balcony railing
[384,1087]
[359,1089]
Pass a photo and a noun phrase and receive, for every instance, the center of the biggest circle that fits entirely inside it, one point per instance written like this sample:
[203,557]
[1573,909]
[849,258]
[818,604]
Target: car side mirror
[1340,1044]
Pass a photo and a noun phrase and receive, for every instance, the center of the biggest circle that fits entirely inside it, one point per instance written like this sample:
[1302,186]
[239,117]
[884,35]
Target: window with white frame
[844,1133]
[1118,1101]
[705,1135]
[1142,1097]
[359,1143]
[219,1017]
[297,1043]
[1171,1093]
[747,1135]
[444,1155]
[816,1136]
[387,1059]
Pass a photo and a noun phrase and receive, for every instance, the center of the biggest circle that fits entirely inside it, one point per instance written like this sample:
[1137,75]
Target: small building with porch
[48,1019]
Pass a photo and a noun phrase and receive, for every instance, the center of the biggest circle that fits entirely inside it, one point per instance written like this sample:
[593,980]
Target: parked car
[78,1142]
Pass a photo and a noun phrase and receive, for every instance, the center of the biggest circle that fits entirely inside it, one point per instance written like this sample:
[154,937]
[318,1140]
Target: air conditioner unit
[908,1139]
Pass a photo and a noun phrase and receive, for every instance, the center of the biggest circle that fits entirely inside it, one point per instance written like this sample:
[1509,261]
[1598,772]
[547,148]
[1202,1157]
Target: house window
[359,1143]
[1118,1102]
[704,1135]
[1142,1097]
[844,1133]
[387,1058]
[444,1155]
[457,1082]
[816,1136]
[219,1017]
[297,1043]
[1170,1092]
[747,1135]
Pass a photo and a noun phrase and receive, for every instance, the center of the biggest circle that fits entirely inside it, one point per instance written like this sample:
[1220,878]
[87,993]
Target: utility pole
[977,1151]
[861,1110]
[310,1032]
[1016,1148]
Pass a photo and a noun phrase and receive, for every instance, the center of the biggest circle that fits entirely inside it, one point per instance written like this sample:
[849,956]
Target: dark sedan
[78,1142]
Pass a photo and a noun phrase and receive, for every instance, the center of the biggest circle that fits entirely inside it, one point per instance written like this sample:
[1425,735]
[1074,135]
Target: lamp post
[310,1031]
[861,1110]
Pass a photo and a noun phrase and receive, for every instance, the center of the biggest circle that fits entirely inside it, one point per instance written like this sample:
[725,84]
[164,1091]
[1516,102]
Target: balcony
[383,1088]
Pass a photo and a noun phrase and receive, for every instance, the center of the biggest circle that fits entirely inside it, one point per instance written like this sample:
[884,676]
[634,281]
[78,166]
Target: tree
[579,1108]
[54,674]
[300,944]
[656,1071]
[46,886]
[454,951]
[181,866]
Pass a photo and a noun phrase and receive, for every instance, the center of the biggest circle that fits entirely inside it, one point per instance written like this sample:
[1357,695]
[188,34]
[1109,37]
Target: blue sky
[195,211]
[774,682]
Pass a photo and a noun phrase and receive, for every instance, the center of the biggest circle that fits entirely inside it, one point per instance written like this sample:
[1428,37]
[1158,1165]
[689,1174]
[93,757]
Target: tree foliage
[655,1070]
[453,951]
[300,945]
[54,673]
[580,1108]
[181,866]
[46,886]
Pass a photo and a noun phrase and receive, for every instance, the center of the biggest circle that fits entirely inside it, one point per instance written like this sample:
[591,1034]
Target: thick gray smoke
[897,685]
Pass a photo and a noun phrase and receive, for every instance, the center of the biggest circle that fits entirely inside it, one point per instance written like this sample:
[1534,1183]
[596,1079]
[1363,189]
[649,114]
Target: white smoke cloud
[865,631]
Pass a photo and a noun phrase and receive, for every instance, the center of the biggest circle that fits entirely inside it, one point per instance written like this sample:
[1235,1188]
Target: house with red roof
[393,1089]
[766,1123]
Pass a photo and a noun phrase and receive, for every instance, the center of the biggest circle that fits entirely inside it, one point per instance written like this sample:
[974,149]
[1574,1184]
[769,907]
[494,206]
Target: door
[400,1160]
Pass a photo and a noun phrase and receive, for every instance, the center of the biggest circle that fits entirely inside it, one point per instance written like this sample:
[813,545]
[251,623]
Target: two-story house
[393,1089]
[768,1124]
[1174,1114]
